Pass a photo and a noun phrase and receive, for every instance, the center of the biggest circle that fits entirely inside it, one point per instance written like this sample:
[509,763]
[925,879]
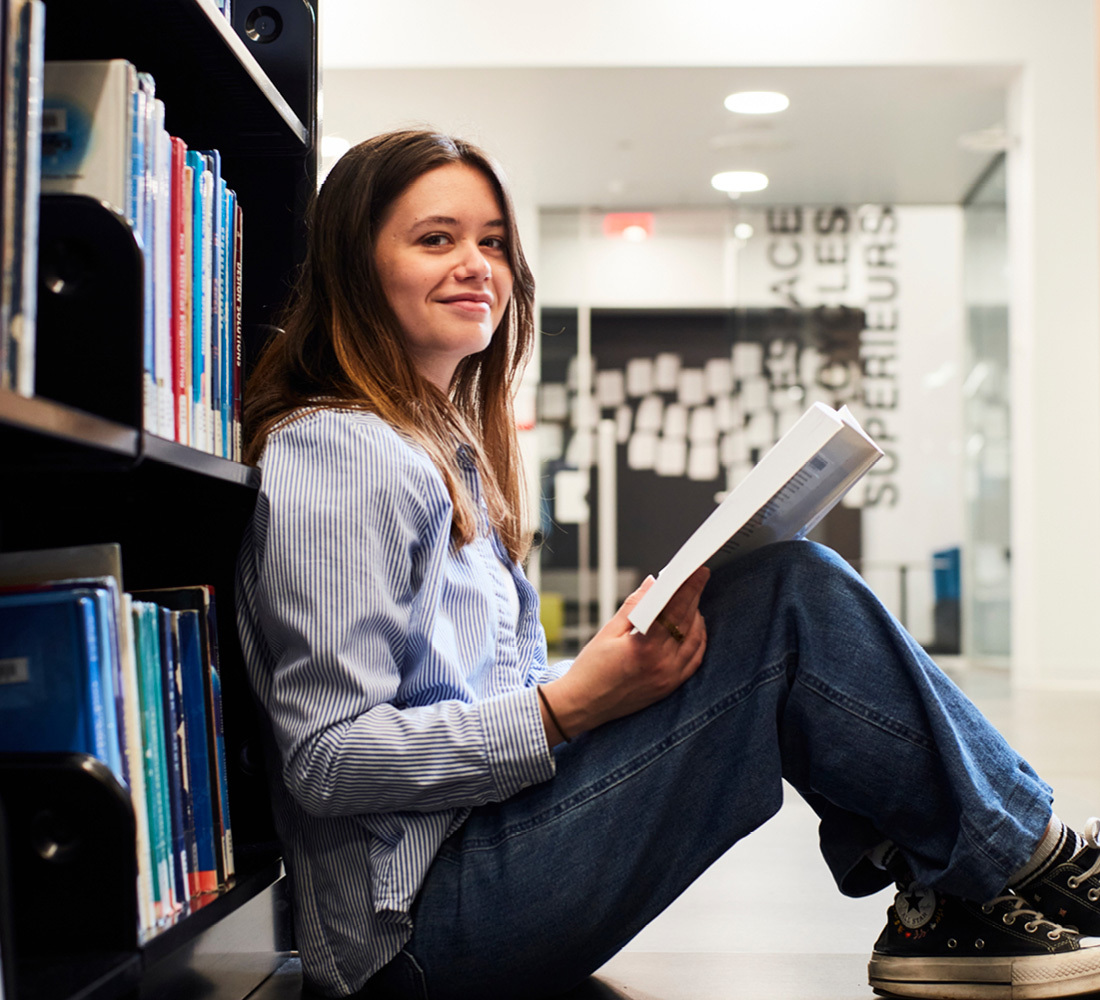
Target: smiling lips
[474,302]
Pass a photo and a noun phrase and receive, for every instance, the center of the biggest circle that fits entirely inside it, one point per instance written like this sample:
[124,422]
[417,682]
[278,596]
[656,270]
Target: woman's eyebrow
[447,220]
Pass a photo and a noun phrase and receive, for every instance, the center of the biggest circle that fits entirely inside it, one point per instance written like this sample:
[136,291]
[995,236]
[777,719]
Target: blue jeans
[806,677]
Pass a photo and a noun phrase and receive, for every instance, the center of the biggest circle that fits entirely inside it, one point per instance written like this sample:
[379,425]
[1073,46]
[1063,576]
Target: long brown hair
[341,345]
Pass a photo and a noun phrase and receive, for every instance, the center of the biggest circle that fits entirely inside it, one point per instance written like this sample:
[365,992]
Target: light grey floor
[766,921]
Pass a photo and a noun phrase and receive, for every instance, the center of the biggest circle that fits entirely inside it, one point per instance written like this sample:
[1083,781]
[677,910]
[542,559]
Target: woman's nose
[474,264]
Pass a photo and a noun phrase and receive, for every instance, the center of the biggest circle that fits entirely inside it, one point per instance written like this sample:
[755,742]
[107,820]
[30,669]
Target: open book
[786,494]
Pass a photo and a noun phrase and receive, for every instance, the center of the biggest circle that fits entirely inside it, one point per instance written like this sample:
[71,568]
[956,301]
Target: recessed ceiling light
[743,231]
[757,102]
[739,181]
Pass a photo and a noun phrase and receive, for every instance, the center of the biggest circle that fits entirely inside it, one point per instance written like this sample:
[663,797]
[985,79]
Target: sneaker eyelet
[1054,935]
[1008,919]
[1031,927]
[952,943]
[1073,881]
[1094,895]
[979,944]
[986,908]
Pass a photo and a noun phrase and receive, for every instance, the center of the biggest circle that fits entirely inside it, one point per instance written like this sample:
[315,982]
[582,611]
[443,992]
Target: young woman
[462,819]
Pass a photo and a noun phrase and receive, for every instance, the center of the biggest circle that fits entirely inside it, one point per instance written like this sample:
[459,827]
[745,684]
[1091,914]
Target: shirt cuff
[515,742]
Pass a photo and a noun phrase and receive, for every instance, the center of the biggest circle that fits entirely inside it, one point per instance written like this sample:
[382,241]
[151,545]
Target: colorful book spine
[148,220]
[24,43]
[146,627]
[220,786]
[51,682]
[175,754]
[181,291]
[193,669]
[238,345]
[205,304]
[162,275]
[136,766]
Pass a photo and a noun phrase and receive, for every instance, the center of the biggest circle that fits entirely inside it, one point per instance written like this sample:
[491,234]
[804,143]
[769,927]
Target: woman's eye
[434,240]
[493,242]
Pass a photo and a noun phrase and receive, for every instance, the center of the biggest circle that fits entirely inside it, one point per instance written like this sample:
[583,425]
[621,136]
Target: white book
[162,276]
[785,495]
[86,130]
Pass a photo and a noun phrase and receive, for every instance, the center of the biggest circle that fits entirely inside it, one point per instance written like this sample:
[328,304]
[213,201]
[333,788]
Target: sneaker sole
[1030,977]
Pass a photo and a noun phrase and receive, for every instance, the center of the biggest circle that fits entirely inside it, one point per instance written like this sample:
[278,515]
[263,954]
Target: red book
[181,333]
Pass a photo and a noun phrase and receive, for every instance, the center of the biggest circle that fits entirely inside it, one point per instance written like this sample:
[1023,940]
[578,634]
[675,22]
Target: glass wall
[987,558]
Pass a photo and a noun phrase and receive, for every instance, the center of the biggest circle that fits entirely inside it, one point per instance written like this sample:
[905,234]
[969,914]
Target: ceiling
[648,138]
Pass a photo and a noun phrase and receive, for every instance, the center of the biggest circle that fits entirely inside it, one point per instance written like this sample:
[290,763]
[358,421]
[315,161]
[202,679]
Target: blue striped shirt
[394,671]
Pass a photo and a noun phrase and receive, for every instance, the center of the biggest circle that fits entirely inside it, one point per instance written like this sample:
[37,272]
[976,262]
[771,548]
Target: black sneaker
[943,947]
[1068,889]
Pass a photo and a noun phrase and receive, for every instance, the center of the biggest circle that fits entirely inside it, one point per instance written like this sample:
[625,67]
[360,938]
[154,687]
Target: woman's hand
[620,672]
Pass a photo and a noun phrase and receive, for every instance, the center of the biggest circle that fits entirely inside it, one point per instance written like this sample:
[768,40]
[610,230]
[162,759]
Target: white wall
[1053,200]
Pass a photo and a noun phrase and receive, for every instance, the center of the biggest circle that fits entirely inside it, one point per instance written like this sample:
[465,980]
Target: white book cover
[784,496]
[87,109]
[162,276]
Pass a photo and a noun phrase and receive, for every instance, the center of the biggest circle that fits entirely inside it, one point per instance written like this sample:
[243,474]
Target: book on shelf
[107,138]
[197,631]
[51,693]
[130,679]
[785,495]
[24,26]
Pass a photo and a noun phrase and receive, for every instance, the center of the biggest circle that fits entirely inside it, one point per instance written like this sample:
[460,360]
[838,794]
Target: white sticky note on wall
[702,461]
[748,359]
[702,427]
[718,373]
[675,422]
[650,413]
[553,401]
[641,451]
[666,371]
[692,387]
[671,457]
[571,496]
[639,376]
[610,387]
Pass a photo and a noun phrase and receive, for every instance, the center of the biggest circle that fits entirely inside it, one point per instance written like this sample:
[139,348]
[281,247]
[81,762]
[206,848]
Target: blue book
[197,653]
[169,656]
[193,670]
[215,290]
[106,600]
[51,695]
[225,827]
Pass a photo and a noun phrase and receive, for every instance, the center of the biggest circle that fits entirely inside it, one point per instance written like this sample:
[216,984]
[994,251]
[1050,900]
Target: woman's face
[443,263]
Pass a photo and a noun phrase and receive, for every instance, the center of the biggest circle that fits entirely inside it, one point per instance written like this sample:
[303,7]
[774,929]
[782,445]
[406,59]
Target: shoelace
[1092,839]
[1018,909]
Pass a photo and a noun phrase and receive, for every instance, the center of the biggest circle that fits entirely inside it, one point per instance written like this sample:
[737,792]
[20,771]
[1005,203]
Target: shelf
[212,911]
[184,457]
[38,423]
[215,92]
[91,977]
[44,418]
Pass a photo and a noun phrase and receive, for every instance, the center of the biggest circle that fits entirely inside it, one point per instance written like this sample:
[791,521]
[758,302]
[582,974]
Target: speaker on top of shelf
[282,35]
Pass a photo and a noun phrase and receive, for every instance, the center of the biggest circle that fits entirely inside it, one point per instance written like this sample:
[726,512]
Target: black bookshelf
[78,468]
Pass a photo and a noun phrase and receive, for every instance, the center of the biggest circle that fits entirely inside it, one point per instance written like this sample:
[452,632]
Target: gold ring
[673,629]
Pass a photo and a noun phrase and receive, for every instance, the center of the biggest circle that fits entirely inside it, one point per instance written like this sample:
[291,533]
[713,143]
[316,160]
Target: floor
[723,940]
